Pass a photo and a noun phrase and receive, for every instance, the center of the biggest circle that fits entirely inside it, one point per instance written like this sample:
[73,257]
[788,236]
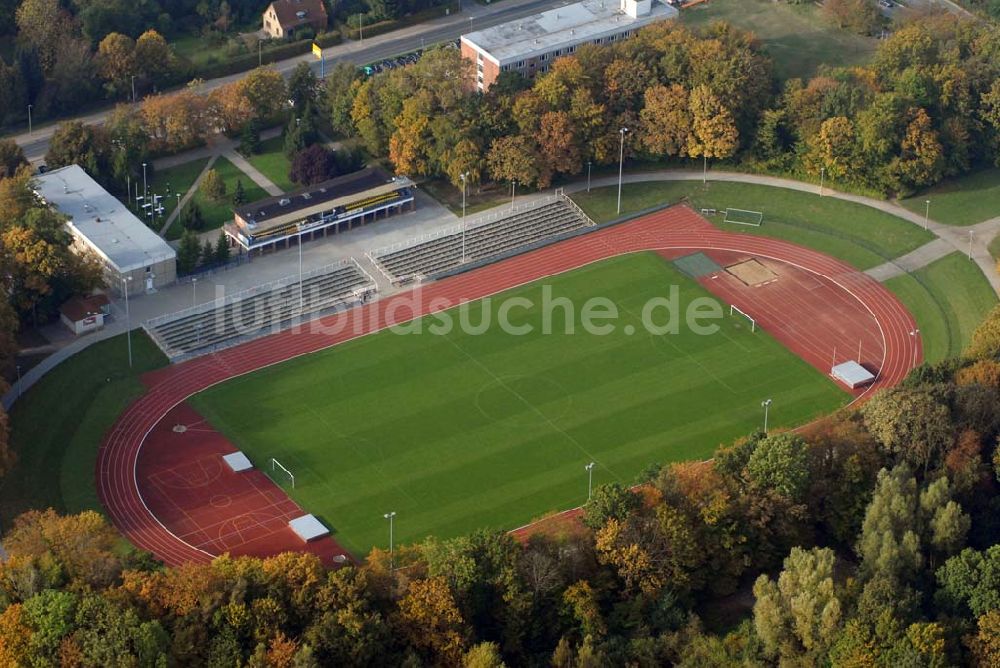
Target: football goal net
[275,465]
[735,310]
[744,217]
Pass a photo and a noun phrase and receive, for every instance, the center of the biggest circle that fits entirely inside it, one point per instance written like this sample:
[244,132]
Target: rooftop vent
[262,213]
[300,14]
[284,201]
[307,196]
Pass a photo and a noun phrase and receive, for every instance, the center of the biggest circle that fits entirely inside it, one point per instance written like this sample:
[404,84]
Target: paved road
[364,51]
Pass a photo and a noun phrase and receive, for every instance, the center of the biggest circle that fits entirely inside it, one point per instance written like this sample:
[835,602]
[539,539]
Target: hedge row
[269,55]
[395,24]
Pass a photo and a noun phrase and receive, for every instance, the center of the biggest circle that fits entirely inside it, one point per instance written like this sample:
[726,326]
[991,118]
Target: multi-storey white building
[529,45]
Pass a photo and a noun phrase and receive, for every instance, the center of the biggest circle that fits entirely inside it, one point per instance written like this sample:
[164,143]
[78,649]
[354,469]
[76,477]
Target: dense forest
[869,538]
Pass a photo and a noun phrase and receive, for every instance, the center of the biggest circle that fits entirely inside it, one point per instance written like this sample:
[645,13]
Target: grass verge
[948,298]
[457,431]
[796,37]
[965,200]
[56,432]
[272,163]
[857,234]
[218,212]
[178,179]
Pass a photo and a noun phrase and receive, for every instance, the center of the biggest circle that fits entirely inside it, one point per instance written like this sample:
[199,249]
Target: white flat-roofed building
[529,45]
[100,224]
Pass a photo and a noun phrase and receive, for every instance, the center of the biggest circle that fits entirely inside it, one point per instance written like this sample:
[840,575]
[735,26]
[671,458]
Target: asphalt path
[360,52]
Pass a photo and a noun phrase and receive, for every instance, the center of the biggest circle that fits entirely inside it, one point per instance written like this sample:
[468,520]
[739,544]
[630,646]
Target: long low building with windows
[332,206]
[132,254]
[529,45]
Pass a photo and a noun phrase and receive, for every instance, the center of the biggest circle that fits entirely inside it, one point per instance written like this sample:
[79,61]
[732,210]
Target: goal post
[733,310]
[275,464]
[744,217]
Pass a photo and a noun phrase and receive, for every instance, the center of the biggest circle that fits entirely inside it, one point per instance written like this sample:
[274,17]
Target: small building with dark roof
[84,314]
[283,17]
[334,206]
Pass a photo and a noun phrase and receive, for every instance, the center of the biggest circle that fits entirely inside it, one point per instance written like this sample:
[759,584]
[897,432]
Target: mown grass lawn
[857,234]
[966,200]
[459,431]
[796,37]
[272,163]
[178,179]
[58,424]
[218,212]
[948,298]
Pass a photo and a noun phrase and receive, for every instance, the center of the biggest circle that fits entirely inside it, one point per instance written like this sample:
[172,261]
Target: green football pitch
[460,431]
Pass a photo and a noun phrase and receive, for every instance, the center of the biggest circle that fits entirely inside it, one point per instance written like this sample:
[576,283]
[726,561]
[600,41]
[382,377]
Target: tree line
[926,108]
[870,538]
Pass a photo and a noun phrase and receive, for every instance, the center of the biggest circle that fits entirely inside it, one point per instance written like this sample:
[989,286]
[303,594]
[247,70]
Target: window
[545,56]
[520,64]
[479,67]
[479,78]
[149,269]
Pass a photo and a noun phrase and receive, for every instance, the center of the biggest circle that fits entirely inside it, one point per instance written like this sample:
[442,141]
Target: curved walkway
[673,228]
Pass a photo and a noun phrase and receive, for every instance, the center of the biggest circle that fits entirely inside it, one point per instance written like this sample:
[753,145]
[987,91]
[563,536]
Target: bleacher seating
[208,326]
[491,239]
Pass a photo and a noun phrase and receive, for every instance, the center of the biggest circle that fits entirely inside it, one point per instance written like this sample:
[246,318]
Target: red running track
[670,231]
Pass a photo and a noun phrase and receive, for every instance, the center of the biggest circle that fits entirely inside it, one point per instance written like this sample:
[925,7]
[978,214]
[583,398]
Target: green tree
[302,87]
[798,617]
[911,424]
[74,143]
[781,463]
[713,129]
[207,253]
[239,195]
[188,252]
[985,342]
[154,58]
[221,253]
[11,158]
[212,186]
[339,89]
[483,655]
[193,218]
[513,158]
[970,582]
[250,138]
[890,541]
[611,500]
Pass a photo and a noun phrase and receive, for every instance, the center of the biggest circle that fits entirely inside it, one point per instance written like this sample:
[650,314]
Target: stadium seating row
[481,242]
[208,327]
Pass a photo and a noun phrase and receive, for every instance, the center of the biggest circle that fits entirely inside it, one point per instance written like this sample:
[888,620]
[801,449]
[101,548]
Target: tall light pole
[361,27]
[927,212]
[971,233]
[18,381]
[144,191]
[621,167]
[915,333]
[590,479]
[463,176]
[29,119]
[128,319]
[300,272]
[588,175]
[194,291]
[766,404]
[822,179]
[133,89]
[513,188]
[390,516]
[260,53]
